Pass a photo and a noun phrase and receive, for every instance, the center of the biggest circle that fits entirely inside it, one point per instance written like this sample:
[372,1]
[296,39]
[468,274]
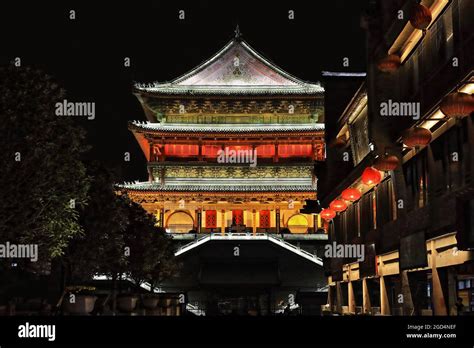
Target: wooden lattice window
[237,217]
[264,218]
[211,219]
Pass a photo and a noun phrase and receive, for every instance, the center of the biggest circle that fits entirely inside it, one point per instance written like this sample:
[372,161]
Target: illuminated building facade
[234,106]
[412,172]
[231,148]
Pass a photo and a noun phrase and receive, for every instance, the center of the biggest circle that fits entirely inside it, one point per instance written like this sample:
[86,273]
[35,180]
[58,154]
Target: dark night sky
[86,55]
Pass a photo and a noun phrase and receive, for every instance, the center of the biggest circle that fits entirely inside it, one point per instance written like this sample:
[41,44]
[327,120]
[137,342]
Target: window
[416,178]
[448,151]
[466,18]
[211,219]
[181,150]
[384,201]
[237,217]
[357,213]
[264,218]
[338,228]
[351,223]
[438,44]
[359,137]
[366,213]
[448,31]
[347,224]
[454,158]
[406,78]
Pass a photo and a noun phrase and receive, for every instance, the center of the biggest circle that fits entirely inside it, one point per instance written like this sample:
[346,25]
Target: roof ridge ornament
[237,32]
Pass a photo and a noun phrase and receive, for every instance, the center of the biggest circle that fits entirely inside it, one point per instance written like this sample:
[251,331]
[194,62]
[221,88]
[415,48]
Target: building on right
[404,151]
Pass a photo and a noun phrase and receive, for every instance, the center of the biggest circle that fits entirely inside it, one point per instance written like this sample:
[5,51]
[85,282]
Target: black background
[86,54]
[245,331]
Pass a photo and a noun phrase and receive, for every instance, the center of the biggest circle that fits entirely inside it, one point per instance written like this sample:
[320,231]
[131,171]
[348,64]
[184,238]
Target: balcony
[250,235]
[441,215]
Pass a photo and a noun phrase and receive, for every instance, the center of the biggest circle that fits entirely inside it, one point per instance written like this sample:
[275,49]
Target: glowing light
[351,194]
[338,205]
[327,214]
[371,176]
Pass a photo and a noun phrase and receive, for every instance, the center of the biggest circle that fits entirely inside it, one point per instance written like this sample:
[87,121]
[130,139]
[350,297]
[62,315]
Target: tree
[42,178]
[119,237]
[100,249]
[166,265]
[138,237]
[151,249]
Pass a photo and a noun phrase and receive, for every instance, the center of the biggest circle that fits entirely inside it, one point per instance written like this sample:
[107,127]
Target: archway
[180,222]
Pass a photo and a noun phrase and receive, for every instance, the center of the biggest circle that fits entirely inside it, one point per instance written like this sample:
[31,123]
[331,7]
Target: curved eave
[145,128]
[166,90]
[204,190]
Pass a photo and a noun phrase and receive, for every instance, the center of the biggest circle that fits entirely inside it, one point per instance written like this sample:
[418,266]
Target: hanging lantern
[327,214]
[416,137]
[351,194]
[457,104]
[420,17]
[389,63]
[386,163]
[338,205]
[371,176]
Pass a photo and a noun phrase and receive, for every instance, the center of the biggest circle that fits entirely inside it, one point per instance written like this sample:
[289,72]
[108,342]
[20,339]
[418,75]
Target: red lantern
[389,63]
[371,176]
[338,205]
[416,137]
[386,163]
[420,17]
[457,105]
[351,194]
[327,214]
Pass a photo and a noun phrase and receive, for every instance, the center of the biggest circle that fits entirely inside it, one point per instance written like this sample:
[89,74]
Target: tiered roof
[226,128]
[276,186]
[235,70]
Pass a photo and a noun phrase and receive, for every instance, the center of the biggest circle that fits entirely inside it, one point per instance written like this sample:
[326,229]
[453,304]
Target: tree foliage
[120,237]
[151,249]
[100,249]
[42,178]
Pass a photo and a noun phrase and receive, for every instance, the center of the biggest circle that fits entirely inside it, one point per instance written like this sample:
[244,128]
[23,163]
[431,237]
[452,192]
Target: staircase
[249,236]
